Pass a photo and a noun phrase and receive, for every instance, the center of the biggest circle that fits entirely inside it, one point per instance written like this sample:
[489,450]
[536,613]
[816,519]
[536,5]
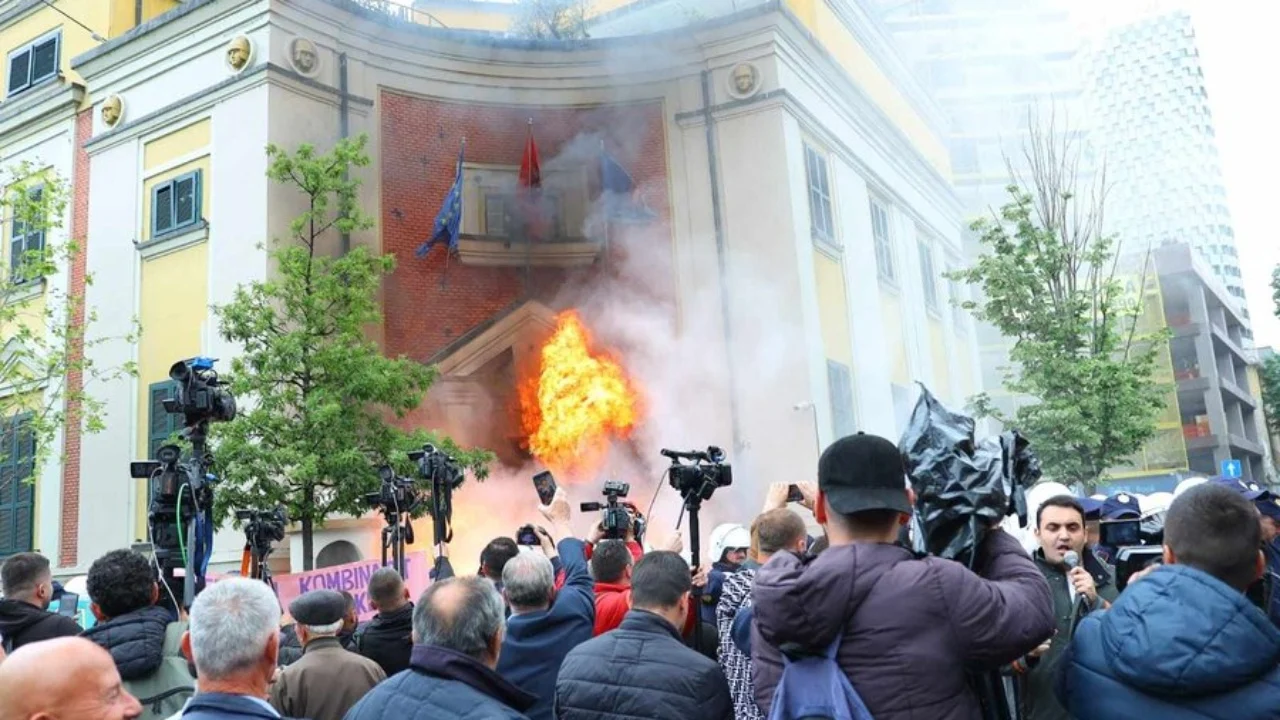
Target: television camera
[617,516]
[398,498]
[1138,544]
[179,518]
[701,473]
[261,529]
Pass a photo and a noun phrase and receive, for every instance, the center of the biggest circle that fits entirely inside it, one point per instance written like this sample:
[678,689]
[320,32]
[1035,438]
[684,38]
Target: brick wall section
[419,146]
[68,533]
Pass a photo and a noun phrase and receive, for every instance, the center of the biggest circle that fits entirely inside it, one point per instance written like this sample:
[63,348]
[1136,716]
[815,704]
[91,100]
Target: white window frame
[818,190]
[883,242]
[29,48]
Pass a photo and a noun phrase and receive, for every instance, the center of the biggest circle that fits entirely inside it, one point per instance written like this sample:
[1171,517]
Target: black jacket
[22,623]
[641,670]
[387,639]
[443,685]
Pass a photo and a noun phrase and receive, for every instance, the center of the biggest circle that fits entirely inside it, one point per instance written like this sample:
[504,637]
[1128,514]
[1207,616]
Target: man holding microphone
[1080,583]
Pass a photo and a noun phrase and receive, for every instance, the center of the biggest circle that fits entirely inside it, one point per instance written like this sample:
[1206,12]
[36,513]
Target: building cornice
[939,194]
[182,26]
[19,11]
[36,110]
[197,103]
[865,26]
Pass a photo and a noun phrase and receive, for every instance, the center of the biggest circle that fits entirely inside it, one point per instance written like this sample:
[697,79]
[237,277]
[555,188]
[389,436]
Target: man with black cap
[905,629]
[328,680]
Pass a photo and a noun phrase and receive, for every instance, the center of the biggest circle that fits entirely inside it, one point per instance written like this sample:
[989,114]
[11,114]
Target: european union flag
[622,197]
[449,220]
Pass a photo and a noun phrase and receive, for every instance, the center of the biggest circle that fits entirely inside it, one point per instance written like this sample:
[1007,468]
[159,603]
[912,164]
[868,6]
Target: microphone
[1071,559]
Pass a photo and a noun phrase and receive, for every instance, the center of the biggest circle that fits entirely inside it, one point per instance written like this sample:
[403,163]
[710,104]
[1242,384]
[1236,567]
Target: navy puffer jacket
[641,671]
[1177,645]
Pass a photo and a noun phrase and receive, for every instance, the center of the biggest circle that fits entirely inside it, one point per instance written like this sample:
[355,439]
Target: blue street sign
[1231,468]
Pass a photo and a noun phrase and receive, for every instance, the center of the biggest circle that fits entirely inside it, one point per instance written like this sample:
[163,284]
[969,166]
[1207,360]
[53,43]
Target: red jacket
[613,601]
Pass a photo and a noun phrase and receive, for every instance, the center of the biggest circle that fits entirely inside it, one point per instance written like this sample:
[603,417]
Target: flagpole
[528,237]
[448,251]
[606,211]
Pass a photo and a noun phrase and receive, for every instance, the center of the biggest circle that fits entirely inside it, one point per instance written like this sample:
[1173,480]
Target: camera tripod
[253,564]
[397,533]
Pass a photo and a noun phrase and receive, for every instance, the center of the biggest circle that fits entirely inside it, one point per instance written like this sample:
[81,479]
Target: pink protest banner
[353,578]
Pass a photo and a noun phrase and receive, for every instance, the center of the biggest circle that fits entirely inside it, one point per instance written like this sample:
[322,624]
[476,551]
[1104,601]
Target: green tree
[551,19]
[1269,373]
[44,330]
[1049,280]
[319,398]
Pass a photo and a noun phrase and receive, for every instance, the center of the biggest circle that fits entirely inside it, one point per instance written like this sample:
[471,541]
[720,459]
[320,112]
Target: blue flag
[622,199]
[448,223]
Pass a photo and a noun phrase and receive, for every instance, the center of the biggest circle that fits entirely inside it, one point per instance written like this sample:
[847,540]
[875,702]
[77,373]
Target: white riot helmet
[726,537]
[1187,484]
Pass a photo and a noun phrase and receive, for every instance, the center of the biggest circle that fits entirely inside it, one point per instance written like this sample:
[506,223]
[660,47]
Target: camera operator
[910,628]
[145,645]
[545,624]
[1077,589]
[1184,642]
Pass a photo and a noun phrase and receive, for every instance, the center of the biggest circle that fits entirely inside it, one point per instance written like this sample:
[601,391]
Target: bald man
[63,679]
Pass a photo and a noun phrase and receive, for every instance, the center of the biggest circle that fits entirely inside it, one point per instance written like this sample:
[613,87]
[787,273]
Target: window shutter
[184,193]
[44,60]
[19,71]
[161,423]
[840,388]
[35,235]
[17,249]
[162,210]
[17,457]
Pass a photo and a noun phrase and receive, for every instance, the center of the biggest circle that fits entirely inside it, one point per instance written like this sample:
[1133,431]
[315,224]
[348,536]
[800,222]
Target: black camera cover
[962,487]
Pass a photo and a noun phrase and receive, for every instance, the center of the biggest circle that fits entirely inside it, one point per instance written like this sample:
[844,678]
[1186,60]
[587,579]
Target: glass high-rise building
[1152,126]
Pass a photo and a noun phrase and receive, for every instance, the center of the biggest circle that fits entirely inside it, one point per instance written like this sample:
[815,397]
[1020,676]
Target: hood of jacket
[450,665]
[135,640]
[808,600]
[1223,640]
[16,616]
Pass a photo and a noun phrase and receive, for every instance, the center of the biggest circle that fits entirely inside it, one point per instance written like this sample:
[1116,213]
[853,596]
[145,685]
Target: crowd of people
[788,621]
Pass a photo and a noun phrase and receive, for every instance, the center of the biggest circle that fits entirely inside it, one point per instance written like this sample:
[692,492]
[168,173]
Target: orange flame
[578,402]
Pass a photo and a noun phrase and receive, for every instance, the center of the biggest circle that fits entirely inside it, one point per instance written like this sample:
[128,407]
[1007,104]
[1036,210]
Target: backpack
[815,688]
[166,690]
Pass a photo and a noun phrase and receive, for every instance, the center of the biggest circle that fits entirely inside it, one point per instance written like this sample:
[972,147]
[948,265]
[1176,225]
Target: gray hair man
[457,631]
[233,638]
[328,680]
[546,624]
